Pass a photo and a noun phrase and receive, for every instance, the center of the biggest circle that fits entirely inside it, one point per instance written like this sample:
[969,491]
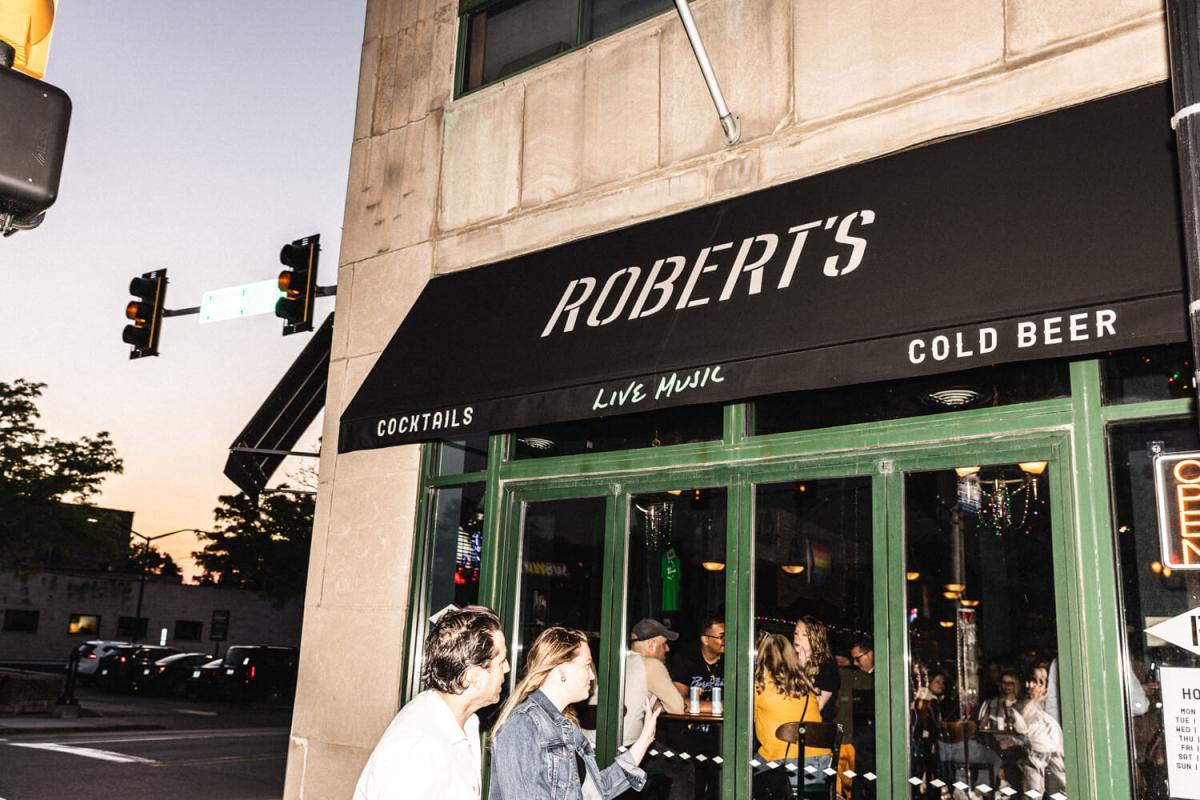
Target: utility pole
[137,616]
[1183,38]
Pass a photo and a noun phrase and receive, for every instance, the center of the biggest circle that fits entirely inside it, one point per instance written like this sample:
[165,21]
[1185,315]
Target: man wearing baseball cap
[646,675]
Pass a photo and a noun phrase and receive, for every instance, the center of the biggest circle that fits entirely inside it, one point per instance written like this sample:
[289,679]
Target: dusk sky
[204,136]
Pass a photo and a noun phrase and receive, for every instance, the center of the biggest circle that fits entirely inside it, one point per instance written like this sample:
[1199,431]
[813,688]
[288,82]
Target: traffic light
[298,283]
[146,313]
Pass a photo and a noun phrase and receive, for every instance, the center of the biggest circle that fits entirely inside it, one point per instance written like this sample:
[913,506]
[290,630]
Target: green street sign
[239,301]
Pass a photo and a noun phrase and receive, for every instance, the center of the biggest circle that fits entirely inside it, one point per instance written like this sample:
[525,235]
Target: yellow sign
[26,25]
[1177,484]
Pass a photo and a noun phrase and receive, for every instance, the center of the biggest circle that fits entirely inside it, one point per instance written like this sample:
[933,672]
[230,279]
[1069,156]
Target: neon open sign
[1177,484]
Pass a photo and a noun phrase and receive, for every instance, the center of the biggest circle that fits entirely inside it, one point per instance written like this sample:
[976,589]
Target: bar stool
[819,735]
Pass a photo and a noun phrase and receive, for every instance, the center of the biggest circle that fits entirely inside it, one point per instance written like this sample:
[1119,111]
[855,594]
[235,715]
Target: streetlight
[137,616]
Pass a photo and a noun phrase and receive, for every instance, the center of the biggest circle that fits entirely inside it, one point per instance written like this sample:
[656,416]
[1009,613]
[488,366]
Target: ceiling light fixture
[1033,467]
[713,566]
[792,569]
[536,442]
[954,397]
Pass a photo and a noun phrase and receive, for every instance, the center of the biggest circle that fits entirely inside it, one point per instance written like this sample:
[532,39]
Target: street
[187,750]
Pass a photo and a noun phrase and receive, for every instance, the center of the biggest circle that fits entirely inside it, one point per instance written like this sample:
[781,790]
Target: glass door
[557,576]
[987,631]
[850,626]
[674,631]
[814,679]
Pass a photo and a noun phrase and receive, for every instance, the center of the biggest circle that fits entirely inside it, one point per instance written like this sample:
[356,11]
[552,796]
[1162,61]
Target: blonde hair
[776,659]
[553,647]
[819,653]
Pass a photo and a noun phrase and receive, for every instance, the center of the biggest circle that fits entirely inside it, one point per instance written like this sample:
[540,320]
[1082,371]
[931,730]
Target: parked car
[91,652]
[256,672]
[169,675]
[203,681]
[122,667]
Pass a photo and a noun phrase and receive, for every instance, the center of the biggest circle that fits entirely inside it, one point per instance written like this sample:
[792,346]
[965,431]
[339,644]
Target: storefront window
[998,385]
[814,660]
[463,456]
[983,691]
[561,578]
[1153,593]
[676,578]
[457,542]
[624,432]
[1153,373]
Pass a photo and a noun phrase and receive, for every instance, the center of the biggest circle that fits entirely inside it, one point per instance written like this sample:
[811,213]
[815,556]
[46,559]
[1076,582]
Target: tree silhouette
[45,483]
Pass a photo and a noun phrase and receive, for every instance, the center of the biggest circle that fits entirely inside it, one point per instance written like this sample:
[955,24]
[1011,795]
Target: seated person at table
[646,675]
[702,664]
[784,693]
[997,713]
[812,649]
[1041,761]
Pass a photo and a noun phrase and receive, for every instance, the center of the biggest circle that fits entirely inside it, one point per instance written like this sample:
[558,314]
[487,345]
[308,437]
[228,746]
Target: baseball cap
[649,628]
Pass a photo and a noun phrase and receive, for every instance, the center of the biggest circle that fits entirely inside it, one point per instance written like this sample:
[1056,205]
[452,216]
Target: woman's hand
[651,709]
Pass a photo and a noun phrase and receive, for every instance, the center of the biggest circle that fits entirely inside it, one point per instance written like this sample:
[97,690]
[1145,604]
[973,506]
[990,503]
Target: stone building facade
[617,132]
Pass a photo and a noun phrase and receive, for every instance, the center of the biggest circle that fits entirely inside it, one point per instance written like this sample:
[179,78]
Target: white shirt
[424,754]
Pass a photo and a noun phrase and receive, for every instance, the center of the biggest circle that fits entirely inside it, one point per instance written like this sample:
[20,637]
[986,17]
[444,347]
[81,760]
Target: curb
[9,731]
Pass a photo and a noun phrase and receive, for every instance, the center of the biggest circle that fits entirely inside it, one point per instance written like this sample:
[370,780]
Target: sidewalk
[96,715]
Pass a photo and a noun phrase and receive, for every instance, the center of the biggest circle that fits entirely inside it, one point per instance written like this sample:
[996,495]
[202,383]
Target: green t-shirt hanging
[670,581]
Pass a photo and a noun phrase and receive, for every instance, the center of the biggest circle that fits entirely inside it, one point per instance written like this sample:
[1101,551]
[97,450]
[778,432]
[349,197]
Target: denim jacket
[533,758]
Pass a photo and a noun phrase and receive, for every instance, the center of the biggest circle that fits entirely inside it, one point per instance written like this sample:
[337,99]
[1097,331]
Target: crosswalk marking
[86,752]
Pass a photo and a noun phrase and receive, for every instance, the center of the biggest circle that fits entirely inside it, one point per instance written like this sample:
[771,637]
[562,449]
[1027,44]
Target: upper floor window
[507,36]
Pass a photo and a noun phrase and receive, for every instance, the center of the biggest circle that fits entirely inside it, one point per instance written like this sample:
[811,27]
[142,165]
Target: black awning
[1057,235]
[284,416]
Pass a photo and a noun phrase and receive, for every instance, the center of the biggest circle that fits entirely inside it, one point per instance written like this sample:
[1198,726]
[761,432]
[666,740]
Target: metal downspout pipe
[730,125]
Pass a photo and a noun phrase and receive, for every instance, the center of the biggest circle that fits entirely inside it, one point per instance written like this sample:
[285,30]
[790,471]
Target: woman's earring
[562,677]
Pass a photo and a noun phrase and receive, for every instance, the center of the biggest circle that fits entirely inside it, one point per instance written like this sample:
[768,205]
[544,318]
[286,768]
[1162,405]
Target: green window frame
[1070,431]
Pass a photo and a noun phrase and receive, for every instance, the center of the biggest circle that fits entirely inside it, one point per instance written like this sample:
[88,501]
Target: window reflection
[561,577]
[998,385]
[1151,373]
[457,543]
[1151,593]
[983,688]
[657,428]
[814,661]
[676,584]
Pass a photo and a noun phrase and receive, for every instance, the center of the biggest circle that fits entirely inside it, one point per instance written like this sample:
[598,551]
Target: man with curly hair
[431,748]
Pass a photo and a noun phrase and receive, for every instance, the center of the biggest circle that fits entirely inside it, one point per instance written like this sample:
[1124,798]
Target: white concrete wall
[617,132]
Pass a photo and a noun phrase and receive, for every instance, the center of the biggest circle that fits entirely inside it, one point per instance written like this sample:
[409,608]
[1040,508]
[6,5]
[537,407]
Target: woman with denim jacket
[538,750]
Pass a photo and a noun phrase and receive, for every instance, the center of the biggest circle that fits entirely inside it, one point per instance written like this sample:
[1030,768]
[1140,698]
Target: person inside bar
[1041,759]
[700,667]
[862,656]
[812,649]
[784,693]
[646,675]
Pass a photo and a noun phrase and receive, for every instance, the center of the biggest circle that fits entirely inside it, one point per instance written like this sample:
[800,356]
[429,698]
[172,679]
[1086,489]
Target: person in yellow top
[783,693]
